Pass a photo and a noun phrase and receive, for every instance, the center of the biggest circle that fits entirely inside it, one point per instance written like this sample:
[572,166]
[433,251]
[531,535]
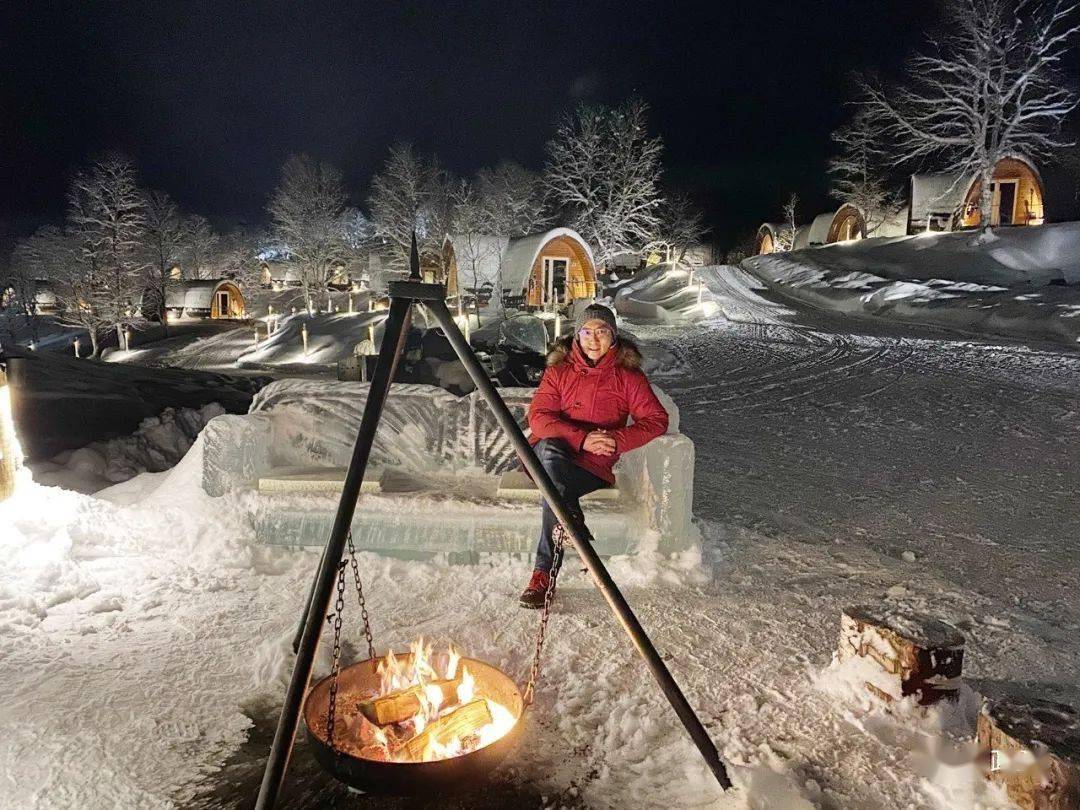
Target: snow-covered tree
[32,259]
[164,244]
[411,193]
[859,172]
[681,226]
[603,173]
[786,236]
[477,222]
[200,244]
[77,279]
[305,210]
[235,257]
[513,198]
[107,217]
[988,87]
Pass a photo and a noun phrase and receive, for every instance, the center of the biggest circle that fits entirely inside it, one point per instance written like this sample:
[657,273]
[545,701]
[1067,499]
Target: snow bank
[995,287]
[331,337]
[1006,256]
[666,294]
[157,445]
[671,295]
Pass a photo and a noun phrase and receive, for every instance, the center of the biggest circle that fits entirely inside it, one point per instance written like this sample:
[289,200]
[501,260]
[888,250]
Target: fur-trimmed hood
[627,354]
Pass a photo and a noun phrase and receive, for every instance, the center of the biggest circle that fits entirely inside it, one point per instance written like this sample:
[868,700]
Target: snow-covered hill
[1008,284]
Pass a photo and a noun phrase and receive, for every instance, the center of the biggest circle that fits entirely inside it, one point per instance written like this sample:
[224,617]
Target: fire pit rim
[378,776]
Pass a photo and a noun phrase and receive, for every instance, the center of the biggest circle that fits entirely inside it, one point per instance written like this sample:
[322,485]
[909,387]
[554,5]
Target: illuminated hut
[949,202]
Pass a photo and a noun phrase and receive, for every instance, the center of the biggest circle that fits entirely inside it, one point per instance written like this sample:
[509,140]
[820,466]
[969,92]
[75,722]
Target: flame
[467,690]
[421,669]
[453,657]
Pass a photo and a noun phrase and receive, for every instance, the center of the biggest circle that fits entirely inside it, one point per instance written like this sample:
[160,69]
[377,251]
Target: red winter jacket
[575,398]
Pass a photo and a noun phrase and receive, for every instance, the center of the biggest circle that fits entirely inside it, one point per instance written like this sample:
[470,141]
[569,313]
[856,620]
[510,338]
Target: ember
[417,707]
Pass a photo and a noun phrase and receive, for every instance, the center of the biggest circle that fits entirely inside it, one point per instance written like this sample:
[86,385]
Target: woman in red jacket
[578,420]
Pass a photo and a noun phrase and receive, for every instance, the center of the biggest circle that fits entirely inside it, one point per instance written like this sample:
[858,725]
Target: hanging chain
[558,535]
[339,609]
[360,596]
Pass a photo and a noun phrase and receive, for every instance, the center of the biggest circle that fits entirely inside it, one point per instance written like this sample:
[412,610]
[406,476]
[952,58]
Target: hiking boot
[534,593]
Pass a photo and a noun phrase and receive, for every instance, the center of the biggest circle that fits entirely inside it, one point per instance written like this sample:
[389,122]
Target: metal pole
[311,590]
[579,535]
[392,344]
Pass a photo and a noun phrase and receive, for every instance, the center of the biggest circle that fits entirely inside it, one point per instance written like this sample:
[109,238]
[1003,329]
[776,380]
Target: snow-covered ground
[1015,283]
[144,636]
[157,445]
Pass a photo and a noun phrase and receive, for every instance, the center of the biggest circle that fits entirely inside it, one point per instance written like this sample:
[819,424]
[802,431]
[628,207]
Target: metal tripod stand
[403,295]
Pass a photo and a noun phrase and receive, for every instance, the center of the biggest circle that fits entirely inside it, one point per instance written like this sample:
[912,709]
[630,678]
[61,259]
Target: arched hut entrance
[206,298]
[551,269]
[768,239]
[847,224]
[1016,196]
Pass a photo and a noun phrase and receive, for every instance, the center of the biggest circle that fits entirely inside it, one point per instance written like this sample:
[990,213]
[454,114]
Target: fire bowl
[375,776]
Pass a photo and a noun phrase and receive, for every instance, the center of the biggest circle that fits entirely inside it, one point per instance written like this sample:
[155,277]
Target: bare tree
[513,199]
[411,193]
[988,87]
[786,236]
[107,215]
[859,172]
[306,212]
[603,172]
[681,227]
[164,244]
[200,243]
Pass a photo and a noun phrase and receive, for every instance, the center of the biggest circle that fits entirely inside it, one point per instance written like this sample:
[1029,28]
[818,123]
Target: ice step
[515,485]
[314,479]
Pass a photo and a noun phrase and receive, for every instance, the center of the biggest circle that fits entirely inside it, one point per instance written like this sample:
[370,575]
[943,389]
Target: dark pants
[571,481]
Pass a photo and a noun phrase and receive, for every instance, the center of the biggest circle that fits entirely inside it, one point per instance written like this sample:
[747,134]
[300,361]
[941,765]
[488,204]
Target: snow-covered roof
[523,252]
[818,233]
[896,225]
[514,256]
[802,237]
[478,257]
[195,293]
[937,194]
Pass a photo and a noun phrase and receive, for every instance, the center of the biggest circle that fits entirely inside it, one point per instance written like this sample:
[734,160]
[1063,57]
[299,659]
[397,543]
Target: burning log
[925,655]
[459,723]
[1033,747]
[404,703]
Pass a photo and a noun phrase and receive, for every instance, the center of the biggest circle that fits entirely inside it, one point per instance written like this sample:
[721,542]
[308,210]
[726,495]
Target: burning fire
[427,707]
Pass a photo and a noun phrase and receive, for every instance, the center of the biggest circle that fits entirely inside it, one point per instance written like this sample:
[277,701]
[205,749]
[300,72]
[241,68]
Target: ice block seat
[442,476]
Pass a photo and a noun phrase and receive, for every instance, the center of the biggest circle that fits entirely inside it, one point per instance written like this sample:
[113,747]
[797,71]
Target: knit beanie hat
[596,312]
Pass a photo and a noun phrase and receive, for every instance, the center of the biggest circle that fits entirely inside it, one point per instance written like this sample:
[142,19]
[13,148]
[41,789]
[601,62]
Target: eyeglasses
[603,332]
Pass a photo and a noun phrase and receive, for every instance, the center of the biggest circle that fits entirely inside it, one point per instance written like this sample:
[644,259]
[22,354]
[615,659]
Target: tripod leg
[580,537]
[311,590]
[397,325]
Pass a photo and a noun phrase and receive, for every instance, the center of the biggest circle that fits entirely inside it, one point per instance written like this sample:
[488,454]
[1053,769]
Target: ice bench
[440,477]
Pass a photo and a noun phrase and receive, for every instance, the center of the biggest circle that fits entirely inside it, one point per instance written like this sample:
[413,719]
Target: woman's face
[596,338]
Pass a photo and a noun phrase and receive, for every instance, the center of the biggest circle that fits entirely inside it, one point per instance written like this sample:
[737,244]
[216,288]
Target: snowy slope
[676,295]
[997,288]
[1005,256]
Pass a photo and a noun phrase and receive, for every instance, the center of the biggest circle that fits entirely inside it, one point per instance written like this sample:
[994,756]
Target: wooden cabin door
[1003,202]
[223,304]
[555,272]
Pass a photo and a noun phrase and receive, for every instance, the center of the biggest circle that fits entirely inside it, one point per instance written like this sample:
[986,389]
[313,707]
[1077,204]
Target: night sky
[211,97]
